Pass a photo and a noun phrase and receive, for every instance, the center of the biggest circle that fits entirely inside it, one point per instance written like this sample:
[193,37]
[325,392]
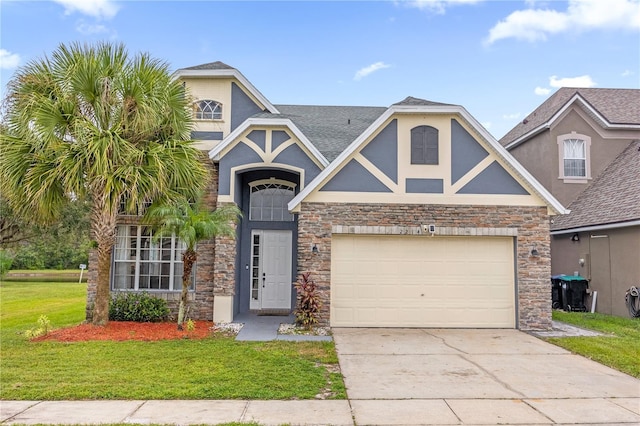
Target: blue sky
[499,59]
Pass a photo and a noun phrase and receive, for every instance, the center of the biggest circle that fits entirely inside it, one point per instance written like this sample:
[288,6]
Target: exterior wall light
[534,251]
[314,249]
[575,237]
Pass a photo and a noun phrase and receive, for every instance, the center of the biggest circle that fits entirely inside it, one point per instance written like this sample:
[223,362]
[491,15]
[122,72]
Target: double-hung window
[574,157]
[142,262]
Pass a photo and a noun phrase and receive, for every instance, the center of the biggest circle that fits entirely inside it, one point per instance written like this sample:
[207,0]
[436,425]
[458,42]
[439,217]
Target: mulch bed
[124,330]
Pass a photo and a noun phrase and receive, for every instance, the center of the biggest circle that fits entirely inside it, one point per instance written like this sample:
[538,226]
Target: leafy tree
[191,223]
[63,244]
[93,123]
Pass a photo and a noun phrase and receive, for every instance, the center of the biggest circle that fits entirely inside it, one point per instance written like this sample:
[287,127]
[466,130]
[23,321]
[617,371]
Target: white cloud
[363,72]
[627,73]
[87,29]
[581,15]
[101,9]
[513,116]
[436,6]
[541,91]
[581,81]
[8,60]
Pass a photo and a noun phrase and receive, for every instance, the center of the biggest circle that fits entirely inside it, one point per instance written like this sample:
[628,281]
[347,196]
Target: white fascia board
[597,227]
[214,154]
[438,109]
[230,73]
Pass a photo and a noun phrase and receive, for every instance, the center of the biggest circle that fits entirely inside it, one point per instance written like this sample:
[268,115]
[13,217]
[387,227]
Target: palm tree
[191,223]
[91,122]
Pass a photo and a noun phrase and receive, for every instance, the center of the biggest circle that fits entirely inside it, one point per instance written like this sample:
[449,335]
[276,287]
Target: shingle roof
[612,197]
[617,106]
[329,128]
[410,100]
[211,66]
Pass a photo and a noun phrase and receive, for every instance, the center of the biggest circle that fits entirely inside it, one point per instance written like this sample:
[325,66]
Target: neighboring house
[581,144]
[407,216]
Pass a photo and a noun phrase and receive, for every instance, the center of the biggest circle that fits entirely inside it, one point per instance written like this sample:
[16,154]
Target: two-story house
[411,215]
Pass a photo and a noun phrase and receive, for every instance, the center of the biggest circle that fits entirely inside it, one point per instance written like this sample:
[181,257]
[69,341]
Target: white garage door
[422,281]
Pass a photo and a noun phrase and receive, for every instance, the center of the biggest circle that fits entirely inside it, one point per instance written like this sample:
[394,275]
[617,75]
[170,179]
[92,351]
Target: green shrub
[5,262]
[44,325]
[139,307]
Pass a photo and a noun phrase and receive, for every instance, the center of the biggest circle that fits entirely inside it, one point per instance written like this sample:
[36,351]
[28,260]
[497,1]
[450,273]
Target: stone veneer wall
[530,225]
[200,301]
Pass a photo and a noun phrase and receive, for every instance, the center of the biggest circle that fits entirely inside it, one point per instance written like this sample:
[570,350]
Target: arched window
[208,110]
[424,145]
[269,201]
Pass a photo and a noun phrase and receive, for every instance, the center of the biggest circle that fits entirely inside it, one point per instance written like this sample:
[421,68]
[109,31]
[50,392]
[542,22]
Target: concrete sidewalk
[449,411]
[176,412]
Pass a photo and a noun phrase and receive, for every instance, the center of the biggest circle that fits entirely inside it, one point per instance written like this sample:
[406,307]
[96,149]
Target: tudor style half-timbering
[408,216]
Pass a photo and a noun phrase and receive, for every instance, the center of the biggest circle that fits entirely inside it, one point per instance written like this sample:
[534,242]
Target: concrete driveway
[433,376]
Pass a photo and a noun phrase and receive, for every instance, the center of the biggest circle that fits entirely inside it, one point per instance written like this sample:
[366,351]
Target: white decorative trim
[449,231]
[214,154]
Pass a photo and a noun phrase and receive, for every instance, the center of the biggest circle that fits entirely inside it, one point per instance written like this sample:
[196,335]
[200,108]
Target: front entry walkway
[262,328]
[470,376]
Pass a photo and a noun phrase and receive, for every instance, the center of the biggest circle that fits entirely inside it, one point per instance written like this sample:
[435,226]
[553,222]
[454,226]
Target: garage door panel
[406,281]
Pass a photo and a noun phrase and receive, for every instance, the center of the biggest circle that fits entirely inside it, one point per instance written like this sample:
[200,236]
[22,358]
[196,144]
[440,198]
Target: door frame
[259,252]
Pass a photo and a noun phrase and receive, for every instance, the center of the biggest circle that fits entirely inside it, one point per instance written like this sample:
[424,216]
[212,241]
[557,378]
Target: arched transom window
[269,201]
[208,110]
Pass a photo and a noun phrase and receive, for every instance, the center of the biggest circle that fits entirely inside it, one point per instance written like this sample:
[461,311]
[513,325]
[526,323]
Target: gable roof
[612,108]
[271,120]
[220,69]
[612,198]
[414,107]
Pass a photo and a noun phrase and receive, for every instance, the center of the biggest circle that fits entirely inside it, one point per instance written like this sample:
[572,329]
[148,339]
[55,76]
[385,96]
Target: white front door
[270,270]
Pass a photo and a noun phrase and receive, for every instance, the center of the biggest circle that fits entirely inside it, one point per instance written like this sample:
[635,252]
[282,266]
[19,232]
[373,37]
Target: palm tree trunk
[189,257]
[103,227]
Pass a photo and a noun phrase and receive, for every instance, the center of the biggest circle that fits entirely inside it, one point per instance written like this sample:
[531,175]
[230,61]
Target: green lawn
[618,348]
[213,368]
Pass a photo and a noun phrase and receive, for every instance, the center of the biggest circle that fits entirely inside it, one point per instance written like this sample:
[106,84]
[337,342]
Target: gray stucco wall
[242,107]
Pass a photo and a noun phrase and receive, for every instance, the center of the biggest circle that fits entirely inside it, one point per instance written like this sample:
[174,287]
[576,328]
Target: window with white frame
[574,157]
[142,262]
[269,200]
[208,110]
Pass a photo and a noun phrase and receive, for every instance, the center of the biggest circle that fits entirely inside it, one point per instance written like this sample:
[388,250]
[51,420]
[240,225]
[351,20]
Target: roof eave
[585,104]
[600,227]
[220,73]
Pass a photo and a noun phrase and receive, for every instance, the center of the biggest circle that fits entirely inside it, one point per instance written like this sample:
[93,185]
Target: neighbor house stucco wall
[611,263]
[541,157]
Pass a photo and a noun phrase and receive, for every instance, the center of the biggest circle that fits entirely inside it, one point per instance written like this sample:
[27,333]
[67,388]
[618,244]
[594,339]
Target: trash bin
[556,291]
[574,291]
